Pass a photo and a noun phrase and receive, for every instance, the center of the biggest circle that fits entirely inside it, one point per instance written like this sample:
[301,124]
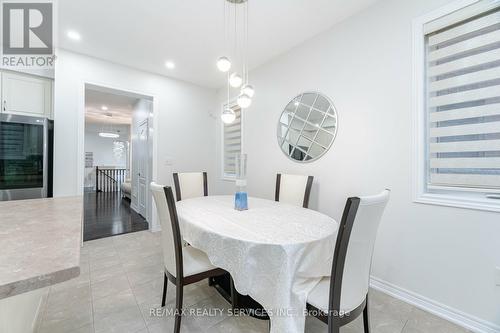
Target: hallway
[107,214]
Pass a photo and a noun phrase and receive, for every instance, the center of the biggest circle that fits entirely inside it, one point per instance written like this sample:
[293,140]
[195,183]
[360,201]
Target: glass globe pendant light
[248,90]
[244,101]
[223,64]
[228,116]
[235,80]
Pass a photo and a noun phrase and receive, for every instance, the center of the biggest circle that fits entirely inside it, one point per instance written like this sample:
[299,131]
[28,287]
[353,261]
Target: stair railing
[109,179]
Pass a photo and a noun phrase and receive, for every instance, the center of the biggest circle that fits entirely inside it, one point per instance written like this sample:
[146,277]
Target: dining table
[275,252]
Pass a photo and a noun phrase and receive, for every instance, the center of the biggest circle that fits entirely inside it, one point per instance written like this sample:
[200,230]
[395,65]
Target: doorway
[117,162]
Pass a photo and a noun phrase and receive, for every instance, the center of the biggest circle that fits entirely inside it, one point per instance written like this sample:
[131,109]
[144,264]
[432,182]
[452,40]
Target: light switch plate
[497,276]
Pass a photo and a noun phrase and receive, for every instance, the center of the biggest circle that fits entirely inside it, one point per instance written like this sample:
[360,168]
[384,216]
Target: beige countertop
[39,243]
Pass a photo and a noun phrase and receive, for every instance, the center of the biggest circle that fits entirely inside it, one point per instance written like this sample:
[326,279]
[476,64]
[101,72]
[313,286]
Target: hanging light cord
[240,45]
[248,33]
[225,22]
[246,41]
[235,33]
[228,89]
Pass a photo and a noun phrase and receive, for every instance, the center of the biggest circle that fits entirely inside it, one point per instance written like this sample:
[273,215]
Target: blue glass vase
[241,196]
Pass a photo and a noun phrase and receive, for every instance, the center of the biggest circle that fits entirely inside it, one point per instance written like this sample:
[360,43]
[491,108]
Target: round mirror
[307,127]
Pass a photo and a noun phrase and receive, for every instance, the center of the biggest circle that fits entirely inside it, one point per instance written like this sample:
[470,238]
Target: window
[231,146]
[460,88]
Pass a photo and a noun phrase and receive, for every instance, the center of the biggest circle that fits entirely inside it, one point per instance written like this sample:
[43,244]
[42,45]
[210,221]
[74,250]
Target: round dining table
[275,252]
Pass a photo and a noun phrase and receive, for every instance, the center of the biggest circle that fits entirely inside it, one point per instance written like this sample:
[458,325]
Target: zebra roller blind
[463,98]
[232,143]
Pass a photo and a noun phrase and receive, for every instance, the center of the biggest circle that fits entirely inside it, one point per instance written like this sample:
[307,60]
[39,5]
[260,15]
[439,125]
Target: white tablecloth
[275,252]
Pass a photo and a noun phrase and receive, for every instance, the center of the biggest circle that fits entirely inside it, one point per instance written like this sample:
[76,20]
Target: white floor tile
[122,279]
[109,287]
[115,303]
[127,321]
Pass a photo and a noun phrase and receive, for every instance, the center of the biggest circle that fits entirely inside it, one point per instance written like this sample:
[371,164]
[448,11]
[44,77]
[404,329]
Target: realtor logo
[27,28]
[28,35]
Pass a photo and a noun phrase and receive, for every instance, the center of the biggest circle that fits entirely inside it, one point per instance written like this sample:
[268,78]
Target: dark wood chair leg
[165,284]
[333,325]
[366,319]
[234,296]
[334,328]
[178,307]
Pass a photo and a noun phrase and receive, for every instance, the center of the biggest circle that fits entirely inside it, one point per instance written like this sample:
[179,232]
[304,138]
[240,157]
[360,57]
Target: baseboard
[453,315]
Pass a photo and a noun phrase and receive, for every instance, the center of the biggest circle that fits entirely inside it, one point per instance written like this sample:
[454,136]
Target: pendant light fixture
[109,135]
[224,64]
[244,101]
[228,116]
[233,11]
[118,149]
[108,131]
[235,80]
[248,90]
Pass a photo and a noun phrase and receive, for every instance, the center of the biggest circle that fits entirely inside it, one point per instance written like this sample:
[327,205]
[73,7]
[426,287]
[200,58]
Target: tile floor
[121,280]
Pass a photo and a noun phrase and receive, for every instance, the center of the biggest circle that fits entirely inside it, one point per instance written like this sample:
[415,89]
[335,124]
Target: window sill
[484,204]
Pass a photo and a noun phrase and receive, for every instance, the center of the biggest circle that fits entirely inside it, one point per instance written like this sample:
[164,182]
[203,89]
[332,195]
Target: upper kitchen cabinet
[26,95]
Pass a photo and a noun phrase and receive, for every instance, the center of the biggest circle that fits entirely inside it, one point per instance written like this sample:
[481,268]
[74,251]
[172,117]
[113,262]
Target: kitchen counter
[39,243]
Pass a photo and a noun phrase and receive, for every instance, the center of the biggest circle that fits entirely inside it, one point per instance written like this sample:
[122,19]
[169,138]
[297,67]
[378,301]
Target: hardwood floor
[107,214]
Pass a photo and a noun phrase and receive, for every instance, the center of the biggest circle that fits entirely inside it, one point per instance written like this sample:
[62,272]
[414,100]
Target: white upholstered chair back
[293,189]
[356,276]
[167,232]
[190,185]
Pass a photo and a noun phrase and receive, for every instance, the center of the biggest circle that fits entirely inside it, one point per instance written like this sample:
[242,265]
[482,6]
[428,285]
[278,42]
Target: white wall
[363,64]
[102,148]
[181,115]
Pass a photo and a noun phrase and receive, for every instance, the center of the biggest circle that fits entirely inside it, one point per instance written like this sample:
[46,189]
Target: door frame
[104,86]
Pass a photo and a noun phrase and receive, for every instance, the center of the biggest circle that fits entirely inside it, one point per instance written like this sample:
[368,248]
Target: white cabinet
[26,95]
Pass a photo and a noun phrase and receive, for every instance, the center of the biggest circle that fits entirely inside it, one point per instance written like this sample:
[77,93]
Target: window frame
[231,104]
[445,196]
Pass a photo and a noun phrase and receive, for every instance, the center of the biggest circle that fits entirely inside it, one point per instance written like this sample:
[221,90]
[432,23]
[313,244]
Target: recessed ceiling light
[170,65]
[104,108]
[74,35]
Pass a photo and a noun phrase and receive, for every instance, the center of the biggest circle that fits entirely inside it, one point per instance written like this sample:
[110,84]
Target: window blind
[232,144]
[463,98]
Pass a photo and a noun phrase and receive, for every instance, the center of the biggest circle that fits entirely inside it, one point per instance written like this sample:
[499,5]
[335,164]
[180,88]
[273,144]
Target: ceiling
[119,107]
[145,34]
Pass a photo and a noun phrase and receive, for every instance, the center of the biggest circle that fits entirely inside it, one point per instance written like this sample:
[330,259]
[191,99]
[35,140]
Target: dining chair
[293,189]
[190,185]
[183,265]
[339,299]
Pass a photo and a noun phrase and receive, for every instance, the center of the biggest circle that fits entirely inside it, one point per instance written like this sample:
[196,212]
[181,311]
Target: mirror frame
[278,127]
